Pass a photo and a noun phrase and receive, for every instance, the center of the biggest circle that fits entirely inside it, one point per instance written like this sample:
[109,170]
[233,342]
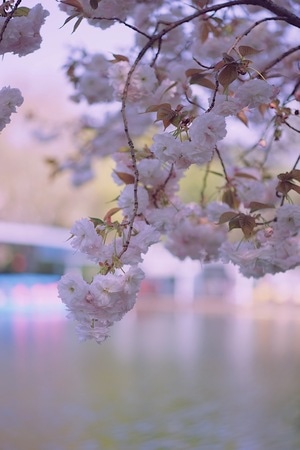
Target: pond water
[163,381]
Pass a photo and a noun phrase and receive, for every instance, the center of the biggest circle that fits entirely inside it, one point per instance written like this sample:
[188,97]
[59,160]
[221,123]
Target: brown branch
[116,19]
[214,95]
[266,19]
[279,59]
[296,163]
[222,164]
[291,126]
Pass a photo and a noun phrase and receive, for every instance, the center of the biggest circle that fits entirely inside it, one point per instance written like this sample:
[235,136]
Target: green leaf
[95,221]
[77,23]
[23,11]
[68,19]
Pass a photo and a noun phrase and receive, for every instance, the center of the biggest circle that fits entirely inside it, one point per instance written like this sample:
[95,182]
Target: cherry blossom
[209,84]
[10,98]
[22,35]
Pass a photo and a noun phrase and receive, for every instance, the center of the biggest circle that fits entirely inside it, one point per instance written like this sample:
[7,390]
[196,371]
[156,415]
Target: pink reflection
[37,315]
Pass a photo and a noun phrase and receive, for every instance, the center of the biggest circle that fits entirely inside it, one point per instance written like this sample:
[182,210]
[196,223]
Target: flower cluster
[199,79]
[96,306]
[10,98]
[22,34]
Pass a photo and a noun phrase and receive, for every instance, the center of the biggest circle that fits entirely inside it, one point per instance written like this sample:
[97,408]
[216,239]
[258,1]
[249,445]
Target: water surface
[161,382]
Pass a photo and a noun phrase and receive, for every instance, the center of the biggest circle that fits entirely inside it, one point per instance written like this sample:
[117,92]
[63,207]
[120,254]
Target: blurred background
[206,360]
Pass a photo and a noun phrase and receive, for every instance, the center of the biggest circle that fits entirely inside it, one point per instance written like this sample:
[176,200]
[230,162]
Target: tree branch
[280,58]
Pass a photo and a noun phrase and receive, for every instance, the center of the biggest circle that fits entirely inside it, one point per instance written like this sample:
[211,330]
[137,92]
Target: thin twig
[279,59]
[239,38]
[116,19]
[291,127]
[204,184]
[222,164]
[296,163]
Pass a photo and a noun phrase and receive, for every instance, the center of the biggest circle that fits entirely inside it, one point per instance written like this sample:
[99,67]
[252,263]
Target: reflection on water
[161,382]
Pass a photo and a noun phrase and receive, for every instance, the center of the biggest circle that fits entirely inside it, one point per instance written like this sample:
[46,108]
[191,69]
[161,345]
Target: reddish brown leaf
[295,174]
[202,81]
[166,114]
[245,50]
[110,213]
[191,72]
[243,118]
[256,206]
[119,58]
[228,75]
[230,198]
[205,29]
[234,223]
[247,224]
[127,178]
[227,216]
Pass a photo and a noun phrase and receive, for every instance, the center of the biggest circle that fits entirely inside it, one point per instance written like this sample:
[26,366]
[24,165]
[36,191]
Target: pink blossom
[207,129]
[85,238]
[254,93]
[126,200]
[22,35]
[10,98]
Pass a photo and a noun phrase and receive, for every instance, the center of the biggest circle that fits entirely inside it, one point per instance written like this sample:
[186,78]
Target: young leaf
[230,198]
[228,75]
[243,118]
[234,223]
[77,23]
[202,81]
[22,11]
[75,3]
[286,182]
[68,19]
[256,206]
[245,50]
[247,224]
[94,3]
[110,213]
[295,174]
[245,175]
[166,114]
[119,58]
[191,72]
[127,178]
[227,216]
[95,221]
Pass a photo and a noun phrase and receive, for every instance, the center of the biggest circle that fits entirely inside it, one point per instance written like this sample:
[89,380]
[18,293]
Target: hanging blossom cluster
[198,78]
[19,35]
